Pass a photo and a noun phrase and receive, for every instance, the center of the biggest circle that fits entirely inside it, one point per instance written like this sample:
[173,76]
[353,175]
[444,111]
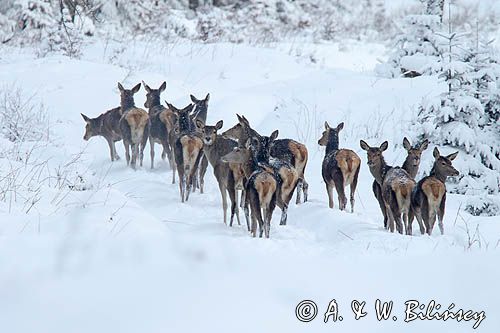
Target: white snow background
[124,255]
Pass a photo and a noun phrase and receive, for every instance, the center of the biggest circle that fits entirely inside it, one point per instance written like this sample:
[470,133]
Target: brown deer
[429,196]
[188,149]
[340,167]
[260,189]
[107,126]
[410,165]
[395,184]
[158,123]
[134,125]
[286,150]
[226,174]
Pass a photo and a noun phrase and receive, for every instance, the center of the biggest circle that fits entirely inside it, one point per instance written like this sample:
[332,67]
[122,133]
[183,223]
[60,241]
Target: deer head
[442,165]
[153,95]
[375,157]
[412,161]
[330,136]
[127,96]
[184,121]
[209,133]
[92,128]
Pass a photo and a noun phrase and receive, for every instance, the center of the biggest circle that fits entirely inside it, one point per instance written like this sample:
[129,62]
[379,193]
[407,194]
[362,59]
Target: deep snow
[126,256]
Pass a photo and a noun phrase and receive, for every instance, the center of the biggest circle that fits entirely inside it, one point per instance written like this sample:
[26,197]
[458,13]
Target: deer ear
[436,153]
[364,145]
[254,142]
[274,135]
[327,127]
[248,143]
[136,88]
[219,125]
[451,157]
[87,119]
[207,98]
[171,107]
[340,127]
[199,124]
[406,144]
[120,87]
[189,108]
[193,99]
[148,89]
[163,86]
[424,145]
[384,146]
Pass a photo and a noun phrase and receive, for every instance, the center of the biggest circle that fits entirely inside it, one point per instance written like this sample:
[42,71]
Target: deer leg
[223,194]
[284,213]
[305,189]
[300,187]
[111,150]
[339,186]
[390,218]
[396,213]
[181,182]
[117,157]
[377,191]
[203,169]
[354,184]
[441,210]
[254,225]
[127,151]
[233,197]
[329,191]
[418,215]
[152,152]
[134,155]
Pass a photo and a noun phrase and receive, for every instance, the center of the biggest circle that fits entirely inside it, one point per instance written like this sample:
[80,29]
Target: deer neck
[437,174]
[201,113]
[155,105]
[379,170]
[127,103]
[410,168]
[332,145]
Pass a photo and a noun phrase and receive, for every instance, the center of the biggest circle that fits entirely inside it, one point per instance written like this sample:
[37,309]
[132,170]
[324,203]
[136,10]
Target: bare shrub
[22,118]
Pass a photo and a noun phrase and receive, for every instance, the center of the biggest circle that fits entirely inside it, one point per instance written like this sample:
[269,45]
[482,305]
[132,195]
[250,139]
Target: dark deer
[199,113]
[286,150]
[285,174]
[226,174]
[260,189]
[188,149]
[107,126]
[429,196]
[340,167]
[410,165]
[134,125]
[158,123]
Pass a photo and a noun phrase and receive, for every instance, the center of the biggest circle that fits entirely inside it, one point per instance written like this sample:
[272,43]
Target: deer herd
[267,170]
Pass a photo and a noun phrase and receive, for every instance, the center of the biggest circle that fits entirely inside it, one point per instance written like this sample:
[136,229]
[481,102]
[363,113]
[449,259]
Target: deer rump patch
[299,151]
[434,191]
[191,148]
[348,162]
[289,177]
[265,185]
[401,184]
[137,120]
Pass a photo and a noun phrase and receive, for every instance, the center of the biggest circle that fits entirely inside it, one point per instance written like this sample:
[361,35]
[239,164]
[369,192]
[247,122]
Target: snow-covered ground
[120,253]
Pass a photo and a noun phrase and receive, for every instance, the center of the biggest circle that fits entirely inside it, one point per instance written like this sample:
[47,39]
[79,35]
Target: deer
[226,174]
[188,149]
[107,126]
[396,186]
[410,165]
[340,167]
[429,196]
[287,150]
[159,125]
[285,174]
[199,113]
[260,189]
[134,125]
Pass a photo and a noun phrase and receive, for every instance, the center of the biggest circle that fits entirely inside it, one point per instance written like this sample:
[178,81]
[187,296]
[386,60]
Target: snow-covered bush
[466,115]
[416,49]
[21,117]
